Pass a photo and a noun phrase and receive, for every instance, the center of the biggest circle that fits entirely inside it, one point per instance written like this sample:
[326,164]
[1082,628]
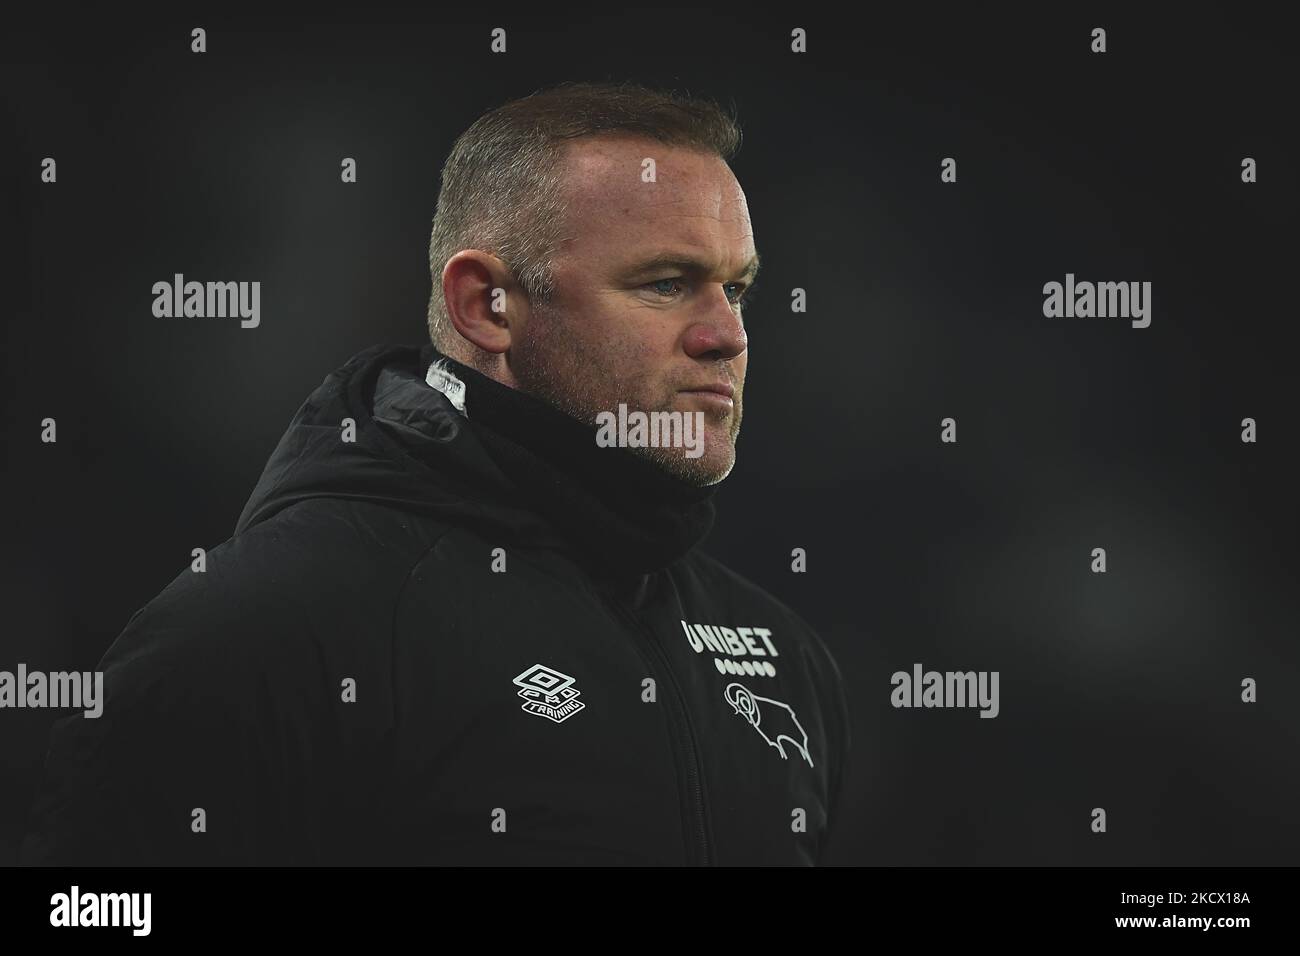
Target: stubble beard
[570,378]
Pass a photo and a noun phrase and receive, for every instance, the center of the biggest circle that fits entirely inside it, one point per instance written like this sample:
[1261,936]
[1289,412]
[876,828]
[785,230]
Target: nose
[718,333]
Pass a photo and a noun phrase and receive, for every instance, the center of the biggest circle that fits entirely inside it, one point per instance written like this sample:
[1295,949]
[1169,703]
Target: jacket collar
[623,514]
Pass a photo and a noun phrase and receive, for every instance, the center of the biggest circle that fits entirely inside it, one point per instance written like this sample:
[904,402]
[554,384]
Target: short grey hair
[502,185]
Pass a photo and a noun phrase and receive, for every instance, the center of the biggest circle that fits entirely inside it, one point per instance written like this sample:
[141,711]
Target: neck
[623,513]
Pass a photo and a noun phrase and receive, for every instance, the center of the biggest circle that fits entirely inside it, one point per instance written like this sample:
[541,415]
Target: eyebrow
[687,264]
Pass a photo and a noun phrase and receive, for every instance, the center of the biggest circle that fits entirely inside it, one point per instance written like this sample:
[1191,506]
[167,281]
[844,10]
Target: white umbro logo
[548,693]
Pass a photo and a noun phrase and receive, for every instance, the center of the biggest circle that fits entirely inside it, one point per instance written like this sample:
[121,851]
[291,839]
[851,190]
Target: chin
[708,469]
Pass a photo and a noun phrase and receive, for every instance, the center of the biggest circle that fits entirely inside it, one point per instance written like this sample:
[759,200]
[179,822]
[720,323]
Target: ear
[484,302]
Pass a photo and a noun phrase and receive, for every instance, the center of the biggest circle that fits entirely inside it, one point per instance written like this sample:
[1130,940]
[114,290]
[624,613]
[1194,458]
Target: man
[458,623]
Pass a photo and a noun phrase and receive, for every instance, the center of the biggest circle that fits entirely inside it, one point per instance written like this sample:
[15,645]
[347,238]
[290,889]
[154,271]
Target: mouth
[716,388]
[718,396]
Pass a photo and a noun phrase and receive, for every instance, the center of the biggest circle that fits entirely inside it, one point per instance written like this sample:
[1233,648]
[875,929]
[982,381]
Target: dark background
[1119,690]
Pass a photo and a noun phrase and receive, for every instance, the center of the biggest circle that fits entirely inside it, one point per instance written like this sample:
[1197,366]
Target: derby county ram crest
[774,721]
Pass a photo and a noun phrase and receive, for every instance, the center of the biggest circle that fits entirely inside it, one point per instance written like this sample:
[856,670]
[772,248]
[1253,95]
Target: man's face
[624,329]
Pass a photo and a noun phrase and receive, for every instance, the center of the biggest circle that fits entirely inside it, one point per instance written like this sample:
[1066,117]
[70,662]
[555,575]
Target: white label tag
[441,379]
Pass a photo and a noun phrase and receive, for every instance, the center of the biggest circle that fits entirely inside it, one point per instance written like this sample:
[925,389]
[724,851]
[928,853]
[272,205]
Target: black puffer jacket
[457,639]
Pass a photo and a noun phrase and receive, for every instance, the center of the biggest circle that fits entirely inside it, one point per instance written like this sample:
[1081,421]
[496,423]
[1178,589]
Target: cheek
[631,347]
[623,353]
[607,324]
[635,371]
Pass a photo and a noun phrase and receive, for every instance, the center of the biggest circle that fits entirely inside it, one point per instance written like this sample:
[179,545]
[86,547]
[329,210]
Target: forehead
[694,198]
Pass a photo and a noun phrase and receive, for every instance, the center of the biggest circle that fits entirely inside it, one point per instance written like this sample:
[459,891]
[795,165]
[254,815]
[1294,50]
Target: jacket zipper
[696,810]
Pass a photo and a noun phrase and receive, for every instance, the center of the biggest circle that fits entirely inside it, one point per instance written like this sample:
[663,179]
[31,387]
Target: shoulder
[290,600]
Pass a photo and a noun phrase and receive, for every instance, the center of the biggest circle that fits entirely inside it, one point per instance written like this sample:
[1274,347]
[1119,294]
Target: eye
[742,293]
[666,293]
[743,296]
